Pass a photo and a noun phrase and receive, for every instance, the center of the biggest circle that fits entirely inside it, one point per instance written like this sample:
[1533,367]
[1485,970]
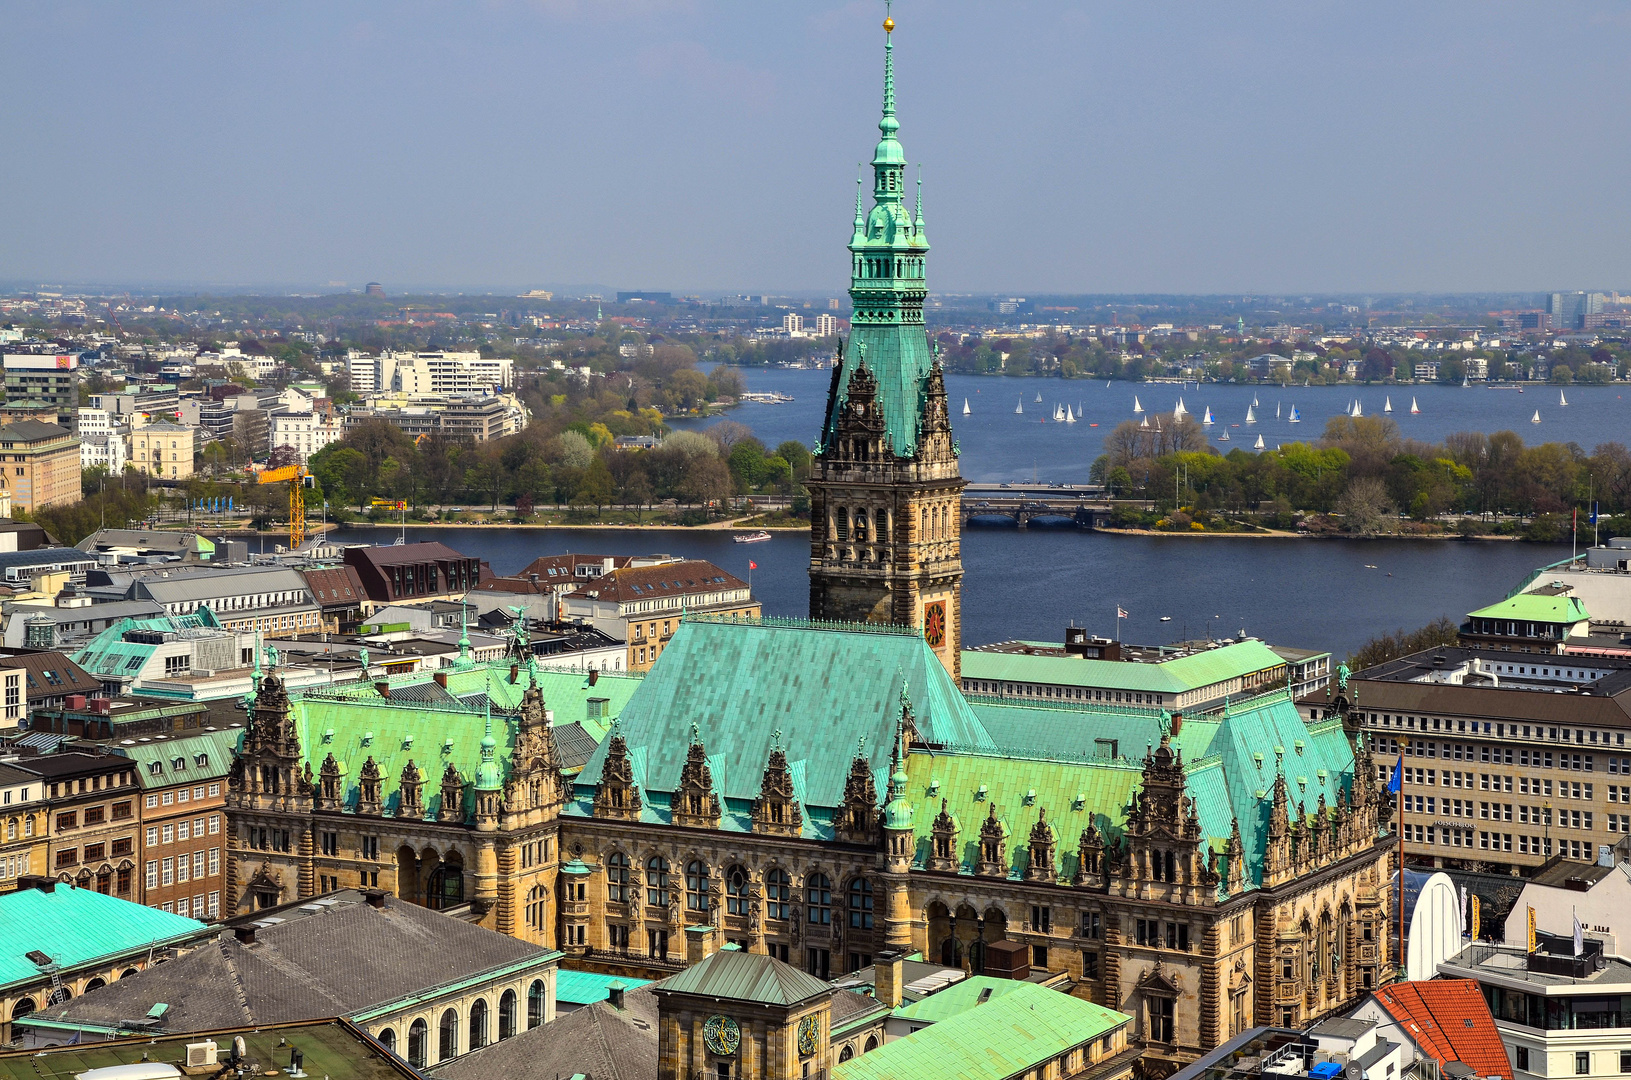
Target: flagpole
[1398,810]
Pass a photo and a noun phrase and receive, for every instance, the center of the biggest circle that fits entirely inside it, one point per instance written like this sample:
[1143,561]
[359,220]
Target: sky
[1068,146]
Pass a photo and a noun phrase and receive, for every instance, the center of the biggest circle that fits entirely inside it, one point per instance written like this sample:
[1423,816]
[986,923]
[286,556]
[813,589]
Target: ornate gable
[776,812]
[1041,849]
[452,808]
[695,803]
[943,854]
[411,803]
[993,846]
[368,788]
[858,821]
[617,796]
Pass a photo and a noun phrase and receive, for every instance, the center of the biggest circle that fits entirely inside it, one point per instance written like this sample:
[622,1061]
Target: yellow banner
[1531,940]
[1474,921]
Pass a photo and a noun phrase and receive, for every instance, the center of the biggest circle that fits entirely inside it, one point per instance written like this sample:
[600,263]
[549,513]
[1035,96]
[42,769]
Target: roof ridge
[240,995]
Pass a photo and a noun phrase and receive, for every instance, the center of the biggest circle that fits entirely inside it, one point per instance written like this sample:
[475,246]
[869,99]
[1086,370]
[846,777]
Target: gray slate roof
[335,961]
[599,1041]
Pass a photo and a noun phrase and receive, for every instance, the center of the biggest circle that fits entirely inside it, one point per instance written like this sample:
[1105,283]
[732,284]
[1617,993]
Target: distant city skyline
[694,146]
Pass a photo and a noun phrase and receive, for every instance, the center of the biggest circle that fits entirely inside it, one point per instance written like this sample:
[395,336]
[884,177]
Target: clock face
[721,1035]
[809,1028]
[934,624]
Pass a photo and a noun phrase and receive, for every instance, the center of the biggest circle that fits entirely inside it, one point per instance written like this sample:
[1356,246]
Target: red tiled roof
[1449,1019]
[669,579]
[335,586]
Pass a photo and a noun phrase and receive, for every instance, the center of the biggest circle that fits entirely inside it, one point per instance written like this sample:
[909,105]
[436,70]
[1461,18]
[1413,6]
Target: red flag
[752,565]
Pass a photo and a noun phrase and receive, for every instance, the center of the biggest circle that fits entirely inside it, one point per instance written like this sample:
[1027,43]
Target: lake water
[999,445]
[1032,584]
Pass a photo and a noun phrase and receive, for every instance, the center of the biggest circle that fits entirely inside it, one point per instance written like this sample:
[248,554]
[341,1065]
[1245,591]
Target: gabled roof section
[1007,1036]
[1450,1020]
[824,687]
[1535,607]
[1189,671]
[75,926]
[630,583]
[734,975]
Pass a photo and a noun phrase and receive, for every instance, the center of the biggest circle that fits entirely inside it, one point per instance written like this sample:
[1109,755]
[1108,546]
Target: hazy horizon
[696,146]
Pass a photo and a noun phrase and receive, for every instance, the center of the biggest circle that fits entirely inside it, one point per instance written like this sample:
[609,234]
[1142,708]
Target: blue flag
[1594,513]
[1397,778]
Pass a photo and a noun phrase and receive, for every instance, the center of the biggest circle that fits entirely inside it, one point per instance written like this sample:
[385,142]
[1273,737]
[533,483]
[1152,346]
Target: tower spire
[888,125]
[917,216]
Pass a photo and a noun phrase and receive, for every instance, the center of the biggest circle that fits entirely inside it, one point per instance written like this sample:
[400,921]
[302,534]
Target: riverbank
[1281,534]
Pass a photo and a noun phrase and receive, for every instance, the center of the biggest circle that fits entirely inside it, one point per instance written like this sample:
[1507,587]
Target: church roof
[823,686]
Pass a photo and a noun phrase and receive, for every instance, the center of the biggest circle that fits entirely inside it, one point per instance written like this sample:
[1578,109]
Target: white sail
[1387,404]
[1277,410]
[1207,419]
[1258,445]
[965,407]
[1294,418]
[1058,413]
[1414,408]
[1178,410]
[1020,408]
[1562,398]
[1070,417]
[1251,415]
[1039,397]
[1357,410]
[1137,408]
[1254,401]
[1144,423]
[1224,437]
[1536,418]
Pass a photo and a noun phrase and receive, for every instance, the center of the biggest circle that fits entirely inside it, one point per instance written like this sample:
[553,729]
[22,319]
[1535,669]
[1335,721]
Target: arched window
[533,911]
[22,1008]
[818,899]
[736,891]
[535,1004]
[778,893]
[860,526]
[617,877]
[860,904]
[871,1044]
[696,886]
[478,1024]
[447,1043]
[846,1053]
[840,519]
[387,1039]
[1327,946]
[418,1035]
[657,881]
[506,1015]
[94,984]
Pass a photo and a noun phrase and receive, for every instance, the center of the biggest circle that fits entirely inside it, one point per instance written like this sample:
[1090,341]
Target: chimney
[384,689]
[244,934]
[441,679]
[1177,723]
[375,898]
[886,977]
[699,943]
[515,671]
[594,676]
[533,578]
[36,881]
[614,994]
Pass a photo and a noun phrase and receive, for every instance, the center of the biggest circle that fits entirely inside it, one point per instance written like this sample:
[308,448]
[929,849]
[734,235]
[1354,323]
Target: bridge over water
[1082,505]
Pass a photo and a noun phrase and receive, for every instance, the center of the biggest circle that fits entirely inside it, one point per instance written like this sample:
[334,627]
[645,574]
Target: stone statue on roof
[1343,672]
[362,658]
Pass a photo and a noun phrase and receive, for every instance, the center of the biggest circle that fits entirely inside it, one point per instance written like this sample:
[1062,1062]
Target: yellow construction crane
[295,477]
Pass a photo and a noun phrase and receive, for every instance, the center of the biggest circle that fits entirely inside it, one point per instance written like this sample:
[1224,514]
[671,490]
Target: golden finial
[888,17]
[888,25]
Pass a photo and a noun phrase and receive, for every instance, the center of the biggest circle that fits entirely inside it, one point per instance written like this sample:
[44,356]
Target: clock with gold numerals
[809,1028]
[934,625]
[721,1035]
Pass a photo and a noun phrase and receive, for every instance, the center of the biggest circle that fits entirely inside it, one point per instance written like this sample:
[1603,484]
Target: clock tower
[884,485]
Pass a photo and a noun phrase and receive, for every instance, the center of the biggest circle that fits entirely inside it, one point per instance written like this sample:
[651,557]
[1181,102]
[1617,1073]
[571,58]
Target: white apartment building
[106,450]
[793,324]
[306,432]
[97,422]
[826,325]
[450,373]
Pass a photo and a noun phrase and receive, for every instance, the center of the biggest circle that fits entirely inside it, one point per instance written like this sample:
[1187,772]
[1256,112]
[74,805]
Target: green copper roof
[431,727]
[824,687]
[888,283]
[206,756]
[734,975]
[1176,676]
[588,987]
[1535,607]
[1087,732]
[957,999]
[1007,1036]
[76,926]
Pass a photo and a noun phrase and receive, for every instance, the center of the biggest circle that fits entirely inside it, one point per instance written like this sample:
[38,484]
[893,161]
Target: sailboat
[965,407]
[1251,415]
[1562,399]
[1536,418]
[1294,418]
[1387,404]
[1277,410]
[1178,410]
[1465,382]
[1414,408]
[1224,437]
[1070,417]
[1207,419]
[1357,411]
[1254,401]
[1258,445]
[1039,397]
[1058,413]
[1020,408]
[1144,423]
[1137,408]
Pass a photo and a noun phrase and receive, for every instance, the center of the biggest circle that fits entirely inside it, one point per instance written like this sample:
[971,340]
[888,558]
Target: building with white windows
[163,449]
[306,433]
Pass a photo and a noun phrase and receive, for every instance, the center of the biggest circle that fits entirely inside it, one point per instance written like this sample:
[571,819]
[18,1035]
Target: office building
[1568,310]
[162,450]
[41,464]
[44,380]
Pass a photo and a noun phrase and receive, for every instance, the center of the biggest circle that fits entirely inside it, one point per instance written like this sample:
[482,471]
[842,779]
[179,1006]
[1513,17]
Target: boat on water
[1294,418]
[1251,415]
[1536,418]
[1465,382]
[965,407]
[1070,417]
[1258,445]
[1137,408]
[1224,437]
[1144,423]
[1357,411]
[1414,408]
[1277,410]
[1254,401]
[751,538]
[1020,408]
[1058,413]
[1178,410]
[1207,419]
[1562,399]
[1387,404]
[1039,397]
